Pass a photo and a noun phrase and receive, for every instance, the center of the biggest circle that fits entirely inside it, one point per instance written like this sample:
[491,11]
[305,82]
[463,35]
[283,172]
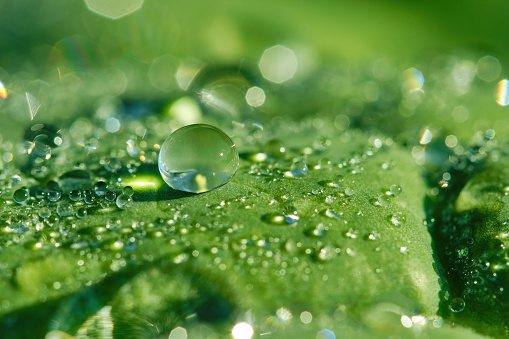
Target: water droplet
[64,209]
[299,168]
[124,201]
[75,195]
[383,200]
[88,197]
[395,190]
[100,188]
[21,195]
[198,158]
[349,191]
[128,190]
[44,212]
[457,305]
[110,196]
[397,219]
[82,213]
[53,195]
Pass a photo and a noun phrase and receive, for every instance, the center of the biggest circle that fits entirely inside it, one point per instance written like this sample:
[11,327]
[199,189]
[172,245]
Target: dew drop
[81,213]
[128,190]
[110,196]
[395,190]
[44,212]
[274,148]
[64,209]
[397,219]
[457,305]
[124,201]
[198,158]
[383,200]
[75,195]
[21,195]
[349,191]
[53,195]
[299,168]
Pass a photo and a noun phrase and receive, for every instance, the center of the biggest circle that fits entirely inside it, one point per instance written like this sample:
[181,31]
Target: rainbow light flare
[3,91]
[502,93]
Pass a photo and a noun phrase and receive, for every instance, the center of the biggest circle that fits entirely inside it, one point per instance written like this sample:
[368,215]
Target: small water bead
[88,197]
[457,305]
[21,195]
[395,190]
[299,168]
[349,191]
[128,190]
[44,212]
[3,203]
[110,196]
[198,158]
[64,209]
[397,219]
[75,195]
[53,195]
[82,213]
[100,188]
[383,200]
[124,201]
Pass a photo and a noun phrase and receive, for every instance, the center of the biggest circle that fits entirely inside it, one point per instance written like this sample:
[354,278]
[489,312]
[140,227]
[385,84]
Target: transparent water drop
[299,168]
[198,158]
[397,219]
[124,201]
[128,190]
[349,191]
[44,212]
[457,305]
[383,200]
[110,196]
[82,213]
[88,197]
[75,195]
[100,188]
[21,195]
[64,209]
[395,190]
[53,195]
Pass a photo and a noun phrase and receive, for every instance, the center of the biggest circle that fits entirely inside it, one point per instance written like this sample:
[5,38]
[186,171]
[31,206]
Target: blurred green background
[225,30]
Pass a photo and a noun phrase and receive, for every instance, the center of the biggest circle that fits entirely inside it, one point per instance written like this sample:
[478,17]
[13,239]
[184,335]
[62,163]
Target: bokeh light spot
[501,95]
[413,79]
[3,91]
[114,9]
[178,333]
[242,331]
[278,64]
[255,96]
[488,68]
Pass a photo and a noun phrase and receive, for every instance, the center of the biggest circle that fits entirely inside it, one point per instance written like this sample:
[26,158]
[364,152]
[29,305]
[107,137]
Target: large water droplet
[198,158]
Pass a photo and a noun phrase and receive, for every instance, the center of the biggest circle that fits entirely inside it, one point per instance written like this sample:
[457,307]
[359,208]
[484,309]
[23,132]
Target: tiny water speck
[198,158]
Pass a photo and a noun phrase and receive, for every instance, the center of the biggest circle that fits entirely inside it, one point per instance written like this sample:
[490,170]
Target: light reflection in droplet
[242,331]
[425,137]
[278,64]
[413,79]
[3,91]
[502,93]
[112,125]
[255,96]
